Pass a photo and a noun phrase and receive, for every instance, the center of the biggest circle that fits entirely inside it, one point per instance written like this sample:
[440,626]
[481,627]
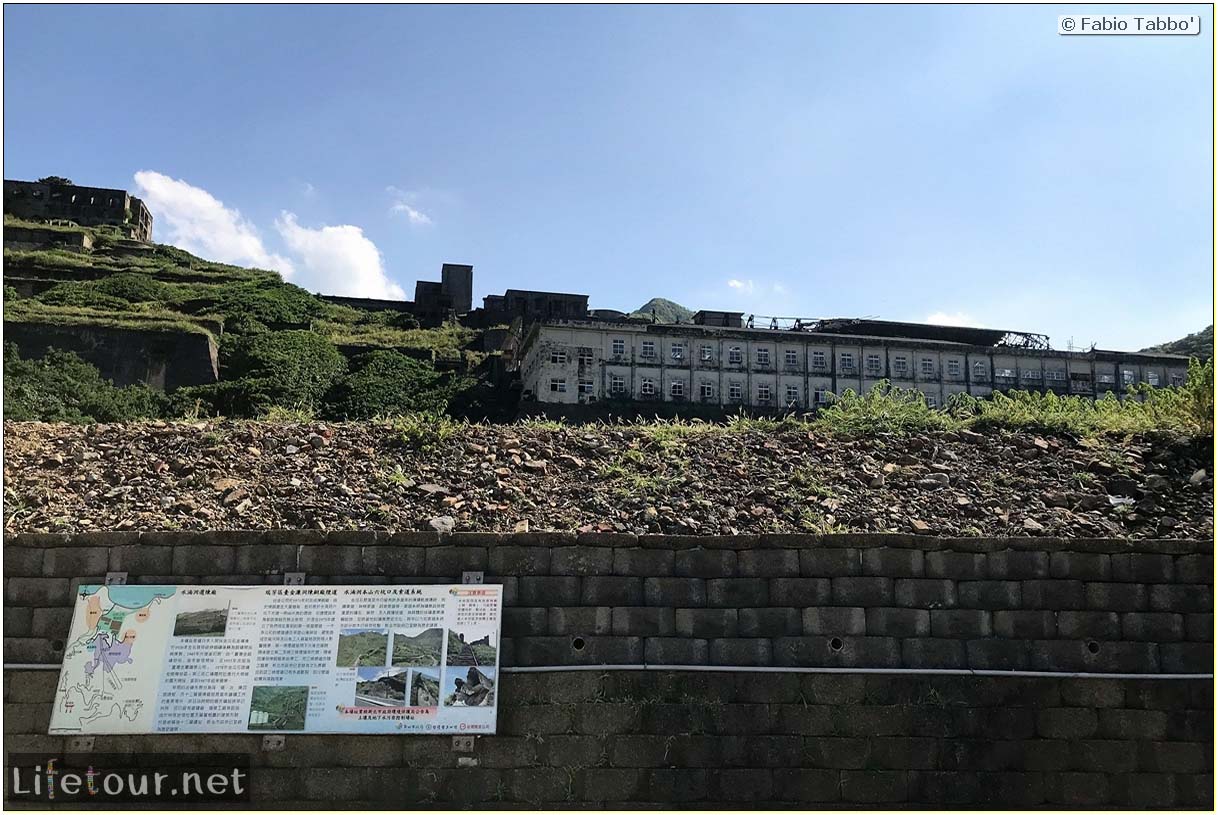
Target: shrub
[61,387]
[133,287]
[291,369]
[884,409]
[276,304]
[424,431]
[80,294]
[385,383]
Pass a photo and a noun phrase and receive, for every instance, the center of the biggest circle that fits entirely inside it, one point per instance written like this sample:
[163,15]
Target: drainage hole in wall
[836,644]
[1093,647]
[578,643]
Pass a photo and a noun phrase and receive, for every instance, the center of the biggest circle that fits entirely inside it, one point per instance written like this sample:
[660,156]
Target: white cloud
[198,222]
[745,286]
[337,260]
[328,259]
[957,318]
[404,203]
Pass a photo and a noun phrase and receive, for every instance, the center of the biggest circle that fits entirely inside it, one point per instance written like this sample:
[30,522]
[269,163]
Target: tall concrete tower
[457,282]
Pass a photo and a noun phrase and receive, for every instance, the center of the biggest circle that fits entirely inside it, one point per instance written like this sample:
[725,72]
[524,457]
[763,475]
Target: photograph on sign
[281,659]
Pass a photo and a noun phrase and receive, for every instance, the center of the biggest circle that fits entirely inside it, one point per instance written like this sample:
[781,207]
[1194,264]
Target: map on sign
[318,659]
[113,658]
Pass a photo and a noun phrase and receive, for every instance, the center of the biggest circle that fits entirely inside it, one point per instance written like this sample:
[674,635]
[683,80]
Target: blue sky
[965,163]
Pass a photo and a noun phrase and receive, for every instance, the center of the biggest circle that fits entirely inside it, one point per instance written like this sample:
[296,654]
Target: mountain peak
[666,311]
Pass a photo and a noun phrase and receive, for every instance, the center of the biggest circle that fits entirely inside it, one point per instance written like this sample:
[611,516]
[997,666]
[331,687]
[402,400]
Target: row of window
[874,364]
[706,390]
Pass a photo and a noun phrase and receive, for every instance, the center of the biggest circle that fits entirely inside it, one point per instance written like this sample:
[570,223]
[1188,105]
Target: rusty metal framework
[1025,339]
[872,326]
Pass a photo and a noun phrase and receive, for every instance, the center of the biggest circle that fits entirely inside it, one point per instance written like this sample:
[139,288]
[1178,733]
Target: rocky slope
[247,475]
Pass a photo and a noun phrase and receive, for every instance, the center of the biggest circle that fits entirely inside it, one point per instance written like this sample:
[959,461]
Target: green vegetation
[362,648]
[884,409]
[387,383]
[424,431]
[10,220]
[286,368]
[666,311]
[1200,345]
[211,622]
[460,653]
[1188,409]
[278,708]
[36,311]
[377,330]
[390,688]
[279,344]
[424,690]
[61,387]
[421,649]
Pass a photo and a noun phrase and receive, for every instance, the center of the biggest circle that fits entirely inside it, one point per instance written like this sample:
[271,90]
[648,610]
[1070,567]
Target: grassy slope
[197,295]
[1199,344]
[666,311]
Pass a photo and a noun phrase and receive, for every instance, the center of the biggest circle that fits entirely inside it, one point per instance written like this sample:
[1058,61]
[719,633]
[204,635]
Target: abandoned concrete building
[434,301]
[454,294]
[537,305]
[720,360]
[84,206]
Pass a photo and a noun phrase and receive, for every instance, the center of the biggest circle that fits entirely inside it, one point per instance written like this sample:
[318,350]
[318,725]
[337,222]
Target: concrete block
[706,623]
[1012,564]
[1100,625]
[612,591]
[925,593]
[1039,625]
[1195,598]
[736,592]
[898,622]
[890,562]
[707,563]
[451,561]
[1080,565]
[581,560]
[548,590]
[799,592]
[1055,595]
[768,563]
[73,561]
[769,622]
[643,621]
[1116,597]
[740,651]
[675,592]
[1141,567]
[956,565]
[931,652]
[519,560]
[989,594]
[862,591]
[580,620]
[676,651]
[202,560]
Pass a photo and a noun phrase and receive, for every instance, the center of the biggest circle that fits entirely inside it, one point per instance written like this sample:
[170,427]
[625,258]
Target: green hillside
[279,344]
[1200,345]
[666,311]
[421,649]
